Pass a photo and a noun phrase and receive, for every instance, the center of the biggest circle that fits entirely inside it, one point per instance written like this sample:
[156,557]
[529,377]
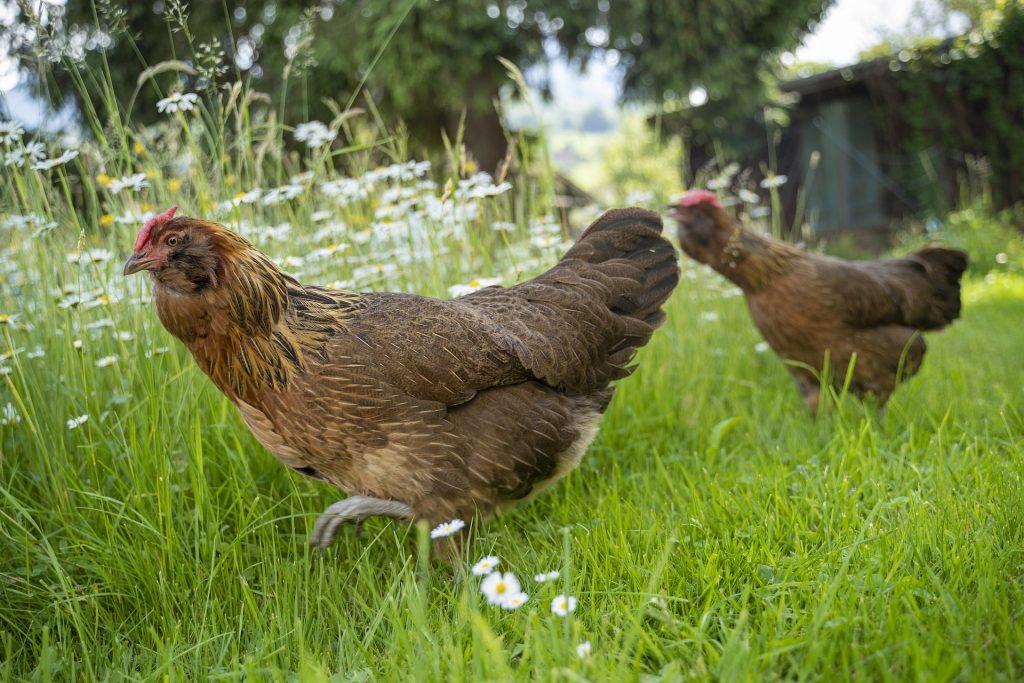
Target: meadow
[714,531]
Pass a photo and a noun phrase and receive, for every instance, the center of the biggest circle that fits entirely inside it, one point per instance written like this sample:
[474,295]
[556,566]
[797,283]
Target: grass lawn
[713,531]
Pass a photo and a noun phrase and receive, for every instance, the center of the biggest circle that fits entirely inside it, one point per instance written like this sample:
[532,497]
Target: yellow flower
[152,173]
[474,283]
[103,180]
[229,180]
[4,318]
[139,148]
[240,194]
[107,219]
[469,166]
[173,184]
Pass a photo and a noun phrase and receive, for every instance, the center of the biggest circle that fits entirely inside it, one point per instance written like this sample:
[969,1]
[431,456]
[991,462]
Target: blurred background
[840,119]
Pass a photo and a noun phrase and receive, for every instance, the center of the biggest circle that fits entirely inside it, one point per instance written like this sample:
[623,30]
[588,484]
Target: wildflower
[1002,258]
[547,576]
[760,212]
[486,565]
[563,605]
[515,601]
[139,148]
[498,587]
[10,132]
[7,318]
[314,134]
[748,197]
[133,182]
[709,316]
[583,649]
[37,352]
[103,180]
[47,164]
[771,180]
[283,193]
[91,256]
[77,344]
[5,370]
[472,286]
[106,361]
[761,347]
[10,416]
[76,422]
[173,184]
[447,529]
[177,102]
[33,151]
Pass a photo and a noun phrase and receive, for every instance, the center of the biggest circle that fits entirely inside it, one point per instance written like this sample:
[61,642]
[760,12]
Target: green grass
[714,531]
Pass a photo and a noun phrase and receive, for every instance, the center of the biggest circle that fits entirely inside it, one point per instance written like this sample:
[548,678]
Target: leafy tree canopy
[424,61]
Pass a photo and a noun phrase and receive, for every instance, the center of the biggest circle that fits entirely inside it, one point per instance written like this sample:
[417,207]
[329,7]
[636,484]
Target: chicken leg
[355,509]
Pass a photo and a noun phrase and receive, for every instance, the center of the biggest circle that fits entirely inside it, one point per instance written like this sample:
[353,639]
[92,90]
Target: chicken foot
[355,510]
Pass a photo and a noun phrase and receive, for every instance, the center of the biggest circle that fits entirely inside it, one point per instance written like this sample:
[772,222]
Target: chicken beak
[135,264]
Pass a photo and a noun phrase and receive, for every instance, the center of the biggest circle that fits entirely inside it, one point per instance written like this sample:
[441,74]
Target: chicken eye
[173,241]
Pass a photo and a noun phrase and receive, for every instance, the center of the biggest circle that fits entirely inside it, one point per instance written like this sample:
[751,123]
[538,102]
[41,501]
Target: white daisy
[772,180]
[106,361]
[64,158]
[498,587]
[748,197]
[486,565]
[76,422]
[583,649]
[447,529]
[314,134]
[10,416]
[33,151]
[134,182]
[547,576]
[515,601]
[761,347]
[563,605]
[472,286]
[709,316]
[177,102]
[10,132]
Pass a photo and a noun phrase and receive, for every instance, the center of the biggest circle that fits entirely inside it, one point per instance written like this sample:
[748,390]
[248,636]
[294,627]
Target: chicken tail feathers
[627,246]
[943,268]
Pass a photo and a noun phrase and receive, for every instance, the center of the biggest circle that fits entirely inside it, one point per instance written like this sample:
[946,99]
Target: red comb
[155,221]
[695,197]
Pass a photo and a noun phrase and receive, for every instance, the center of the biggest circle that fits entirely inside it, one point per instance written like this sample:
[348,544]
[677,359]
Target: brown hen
[418,408]
[811,307]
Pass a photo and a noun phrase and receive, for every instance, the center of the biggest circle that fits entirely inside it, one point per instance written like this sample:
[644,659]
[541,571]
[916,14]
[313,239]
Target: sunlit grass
[714,530]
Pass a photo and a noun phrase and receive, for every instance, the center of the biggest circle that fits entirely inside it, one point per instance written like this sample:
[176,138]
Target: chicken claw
[355,509]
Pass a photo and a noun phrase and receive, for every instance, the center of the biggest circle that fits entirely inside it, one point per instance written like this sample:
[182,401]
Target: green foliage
[639,162]
[969,98]
[995,242]
[423,62]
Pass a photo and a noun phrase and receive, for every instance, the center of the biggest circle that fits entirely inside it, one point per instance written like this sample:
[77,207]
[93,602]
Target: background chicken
[419,408]
[811,307]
